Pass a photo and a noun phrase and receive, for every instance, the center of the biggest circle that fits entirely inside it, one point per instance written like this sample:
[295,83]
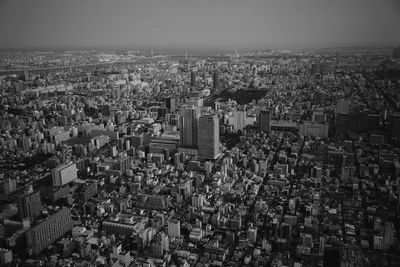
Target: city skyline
[199,133]
[198,24]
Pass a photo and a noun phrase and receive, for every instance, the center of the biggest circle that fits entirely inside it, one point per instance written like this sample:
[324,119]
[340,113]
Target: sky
[198,24]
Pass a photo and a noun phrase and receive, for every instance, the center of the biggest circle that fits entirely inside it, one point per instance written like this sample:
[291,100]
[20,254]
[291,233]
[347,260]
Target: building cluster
[26,60]
[265,159]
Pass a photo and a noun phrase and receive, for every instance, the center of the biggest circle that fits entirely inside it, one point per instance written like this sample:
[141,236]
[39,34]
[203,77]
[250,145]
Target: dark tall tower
[189,127]
[208,137]
[192,79]
[170,104]
[394,125]
[215,79]
[264,121]
[29,204]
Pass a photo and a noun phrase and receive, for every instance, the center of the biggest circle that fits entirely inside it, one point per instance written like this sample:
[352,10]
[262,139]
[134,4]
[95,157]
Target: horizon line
[160,48]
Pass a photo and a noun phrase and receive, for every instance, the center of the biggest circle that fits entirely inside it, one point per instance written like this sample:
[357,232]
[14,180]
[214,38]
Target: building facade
[48,231]
[208,137]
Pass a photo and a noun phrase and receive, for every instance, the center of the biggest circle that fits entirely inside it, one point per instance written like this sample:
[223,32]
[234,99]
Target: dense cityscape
[268,158]
[204,133]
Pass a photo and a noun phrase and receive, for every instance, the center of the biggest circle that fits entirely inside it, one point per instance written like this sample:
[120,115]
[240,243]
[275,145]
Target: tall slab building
[189,127]
[208,137]
[264,121]
[29,204]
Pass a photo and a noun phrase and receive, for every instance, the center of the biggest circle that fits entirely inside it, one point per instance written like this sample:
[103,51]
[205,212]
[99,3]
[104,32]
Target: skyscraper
[189,127]
[174,228]
[192,79]
[164,242]
[26,75]
[215,79]
[394,125]
[252,234]
[64,174]
[239,119]
[170,104]
[208,137]
[29,204]
[264,120]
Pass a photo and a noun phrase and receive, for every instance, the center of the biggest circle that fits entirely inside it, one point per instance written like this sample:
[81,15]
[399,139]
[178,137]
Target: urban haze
[200,133]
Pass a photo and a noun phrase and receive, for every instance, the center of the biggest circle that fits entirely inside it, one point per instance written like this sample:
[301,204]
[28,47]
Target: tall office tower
[189,127]
[26,75]
[164,242]
[394,125]
[208,137]
[264,121]
[252,234]
[8,185]
[197,200]
[215,79]
[48,231]
[192,79]
[174,228]
[64,174]
[239,119]
[170,104]
[29,204]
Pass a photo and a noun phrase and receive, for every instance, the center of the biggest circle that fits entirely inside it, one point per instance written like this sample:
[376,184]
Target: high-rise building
[388,235]
[29,204]
[394,125]
[252,234]
[6,256]
[189,127]
[26,75]
[285,231]
[215,79]
[321,248]
[239,119]
[170,104]
[208,137]
[164,242]
[8,185]
[192,79]
[264,120]
[64,174]
[48,231]
[309,128]
[197,200]
[174,228]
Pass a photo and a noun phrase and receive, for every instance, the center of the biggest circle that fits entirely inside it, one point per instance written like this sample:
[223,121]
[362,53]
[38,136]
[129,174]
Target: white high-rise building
[174,228]
[238,120]
[64,174]
[197,200]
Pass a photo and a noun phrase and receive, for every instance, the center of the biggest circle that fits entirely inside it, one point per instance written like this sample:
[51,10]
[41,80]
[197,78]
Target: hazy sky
[195,24]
